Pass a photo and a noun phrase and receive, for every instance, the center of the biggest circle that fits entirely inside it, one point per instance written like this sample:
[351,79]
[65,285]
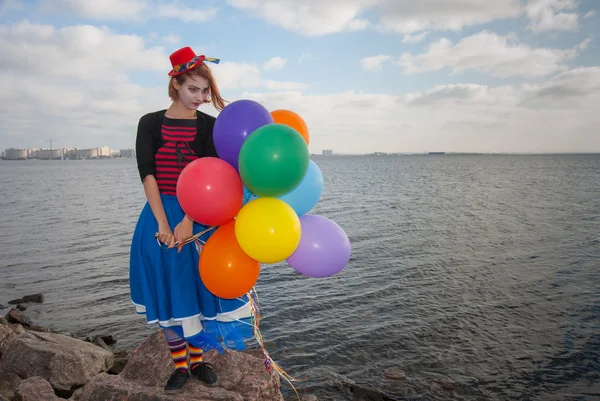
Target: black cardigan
[149,140]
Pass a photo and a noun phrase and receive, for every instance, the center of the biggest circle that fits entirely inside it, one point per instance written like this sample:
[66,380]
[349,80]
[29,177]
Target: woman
[164,277]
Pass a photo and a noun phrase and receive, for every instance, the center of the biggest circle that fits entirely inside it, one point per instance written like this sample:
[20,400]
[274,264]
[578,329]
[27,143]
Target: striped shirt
[175,154]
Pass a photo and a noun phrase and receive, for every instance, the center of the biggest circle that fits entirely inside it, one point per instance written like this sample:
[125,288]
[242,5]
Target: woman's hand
[165,235]
[183,231]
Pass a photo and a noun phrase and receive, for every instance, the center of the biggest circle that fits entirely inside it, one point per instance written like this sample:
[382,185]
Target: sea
[472,277]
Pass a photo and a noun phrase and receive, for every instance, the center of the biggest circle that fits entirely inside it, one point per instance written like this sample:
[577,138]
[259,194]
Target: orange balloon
[293,120]
[225,269]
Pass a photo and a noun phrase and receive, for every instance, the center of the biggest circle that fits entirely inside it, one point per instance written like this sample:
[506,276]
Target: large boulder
[65,362]
[35,389]
[242,377]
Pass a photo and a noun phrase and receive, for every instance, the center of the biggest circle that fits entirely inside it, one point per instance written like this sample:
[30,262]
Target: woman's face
[193,92]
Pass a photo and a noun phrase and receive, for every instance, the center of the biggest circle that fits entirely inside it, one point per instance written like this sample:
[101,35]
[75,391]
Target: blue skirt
[166,287]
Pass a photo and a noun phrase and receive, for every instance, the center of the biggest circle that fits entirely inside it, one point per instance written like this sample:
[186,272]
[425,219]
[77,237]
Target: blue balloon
[248,196]
[306,195]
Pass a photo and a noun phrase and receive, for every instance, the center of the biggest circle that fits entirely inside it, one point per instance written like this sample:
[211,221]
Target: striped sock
[195,355]
[178,353]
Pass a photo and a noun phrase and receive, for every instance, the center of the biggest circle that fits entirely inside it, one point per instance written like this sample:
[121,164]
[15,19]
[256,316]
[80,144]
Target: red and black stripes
[175,154]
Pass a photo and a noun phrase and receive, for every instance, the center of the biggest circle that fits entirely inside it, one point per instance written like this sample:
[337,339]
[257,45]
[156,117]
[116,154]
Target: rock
[8,384]
[15,316]
[122,354]
[3,321]
[65,362]
[17,328]
[118,366]
[34,389]
[394,374]
[21,307]
[6,334]
[35,298]
[241,377]
[76,395]
[98,342]
[105,340]
[108,340]
[39,329]
[121,359]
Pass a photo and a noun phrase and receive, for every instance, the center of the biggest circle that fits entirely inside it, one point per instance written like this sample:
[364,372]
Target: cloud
[232,76]
[414,38]
[127,10]
[374,63]
[310,18]
[549,15]
[237,75]
[185,14]
[490,53]
[74,82]
[304,57]
[81,52]
[589,14]
[576,85]
[172,39]
[404,16]
[408,16]
[459,117]
[285,85]
[275,63]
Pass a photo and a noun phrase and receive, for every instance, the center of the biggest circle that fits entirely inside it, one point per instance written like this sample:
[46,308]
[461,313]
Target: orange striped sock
[195,355]
[179,353]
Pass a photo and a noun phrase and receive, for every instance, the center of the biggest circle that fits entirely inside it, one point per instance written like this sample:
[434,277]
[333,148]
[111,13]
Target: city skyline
[403,76]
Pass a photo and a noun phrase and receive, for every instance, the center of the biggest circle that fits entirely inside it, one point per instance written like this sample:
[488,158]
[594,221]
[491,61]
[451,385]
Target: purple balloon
[233,125]
[324,248]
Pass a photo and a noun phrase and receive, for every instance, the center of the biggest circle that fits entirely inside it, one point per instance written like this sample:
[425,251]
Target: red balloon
[210,191]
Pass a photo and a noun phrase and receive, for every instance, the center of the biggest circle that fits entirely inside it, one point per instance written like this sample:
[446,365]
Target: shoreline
[43,364]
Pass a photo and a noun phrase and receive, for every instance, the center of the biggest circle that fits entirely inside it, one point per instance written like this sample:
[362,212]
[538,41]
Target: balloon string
[254,321]
[190,239]
[269,362]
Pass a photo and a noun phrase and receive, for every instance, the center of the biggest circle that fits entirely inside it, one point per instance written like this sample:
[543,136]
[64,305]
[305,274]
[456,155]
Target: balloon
[248,196]
[225,269]
[268,230]
[233,125]
[210,191]
[292,119]
[306,195]
[324,248]
[273,160]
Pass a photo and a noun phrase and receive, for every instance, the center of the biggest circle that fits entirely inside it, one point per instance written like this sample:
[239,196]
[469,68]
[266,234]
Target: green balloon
[273,160]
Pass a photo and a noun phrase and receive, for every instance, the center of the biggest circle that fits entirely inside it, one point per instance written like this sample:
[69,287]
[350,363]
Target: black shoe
[176,381]
[204,372]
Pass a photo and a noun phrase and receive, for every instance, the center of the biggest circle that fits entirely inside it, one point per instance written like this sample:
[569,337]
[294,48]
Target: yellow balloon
[268,229]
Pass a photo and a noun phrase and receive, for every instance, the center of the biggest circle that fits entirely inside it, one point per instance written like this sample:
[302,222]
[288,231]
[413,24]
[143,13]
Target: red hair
[203,71]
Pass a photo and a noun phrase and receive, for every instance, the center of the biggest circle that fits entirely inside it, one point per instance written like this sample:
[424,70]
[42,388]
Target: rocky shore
[38,364]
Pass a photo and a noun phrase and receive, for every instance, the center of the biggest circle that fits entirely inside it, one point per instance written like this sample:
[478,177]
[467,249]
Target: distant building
[129,153]
[46,154]
[101,152]
[327,152]
[16,154]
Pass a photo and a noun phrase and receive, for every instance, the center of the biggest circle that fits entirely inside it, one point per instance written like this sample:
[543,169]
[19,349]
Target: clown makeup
[193,92]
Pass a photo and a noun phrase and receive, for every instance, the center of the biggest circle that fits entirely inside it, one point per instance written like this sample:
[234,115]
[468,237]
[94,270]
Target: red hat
[185,59]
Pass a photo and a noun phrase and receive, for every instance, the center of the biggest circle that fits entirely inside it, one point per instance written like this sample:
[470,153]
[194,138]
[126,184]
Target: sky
[365,75]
